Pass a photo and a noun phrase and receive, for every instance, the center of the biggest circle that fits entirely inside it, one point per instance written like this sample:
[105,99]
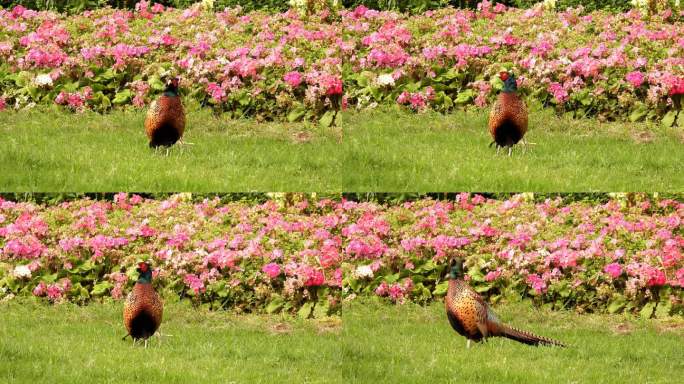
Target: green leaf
[616,305]
[101,288]
[465,96]
[305,311]
[321,309]
[275,305]
[122,97]
[327,119]
[669,118]
[647,311]
[441,288]
[482,288]
[296,114]
[156,83]
[638,113]
[663,309]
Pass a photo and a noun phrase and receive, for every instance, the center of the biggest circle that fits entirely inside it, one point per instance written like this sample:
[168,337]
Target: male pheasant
[471,317]
[165,120]
[508,116]
[143,308]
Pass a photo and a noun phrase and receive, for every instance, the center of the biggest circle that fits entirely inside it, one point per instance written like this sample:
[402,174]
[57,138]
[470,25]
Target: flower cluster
[613,66]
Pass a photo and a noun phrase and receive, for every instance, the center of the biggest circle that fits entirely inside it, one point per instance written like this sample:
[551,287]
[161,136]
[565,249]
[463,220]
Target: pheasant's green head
[145,272]
[510,84]
[456,271]
[172,87]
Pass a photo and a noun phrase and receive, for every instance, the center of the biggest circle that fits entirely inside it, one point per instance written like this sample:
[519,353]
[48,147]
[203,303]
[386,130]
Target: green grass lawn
[69,344]
[412,344]
[380,151]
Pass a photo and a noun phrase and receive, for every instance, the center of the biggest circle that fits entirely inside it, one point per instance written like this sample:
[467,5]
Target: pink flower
[216,92]
[680,277]
[332,85]
[194,282]
[40,289]
[559,93]
[54,292]
[271,269]
[382,289]
[656,278]
[3,103]
[635,78]
[293,78]
[492,275]
[537,283]
[613,269]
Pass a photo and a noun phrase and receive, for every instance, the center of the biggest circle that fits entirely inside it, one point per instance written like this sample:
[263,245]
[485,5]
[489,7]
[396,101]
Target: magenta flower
[40,289]
[194,282]
[271,269]
[54,292]
[613,269]
[537,283]
[635,78]
[293,78]
[492,275]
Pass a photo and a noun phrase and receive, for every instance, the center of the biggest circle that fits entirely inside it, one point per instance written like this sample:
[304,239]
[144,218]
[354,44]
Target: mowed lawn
[412,344]
[40,343]
[386,150]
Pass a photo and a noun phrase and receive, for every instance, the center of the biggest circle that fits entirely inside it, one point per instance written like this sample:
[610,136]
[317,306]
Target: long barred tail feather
[527,337]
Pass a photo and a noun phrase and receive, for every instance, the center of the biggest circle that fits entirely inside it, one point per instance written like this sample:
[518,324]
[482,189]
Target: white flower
[364,271]
[386,79]
[550,4]
[43,80]
[22,271]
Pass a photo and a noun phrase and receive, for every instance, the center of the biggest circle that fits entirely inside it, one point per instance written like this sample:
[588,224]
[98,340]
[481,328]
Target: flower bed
[303,257]
[246,257]
[612,66]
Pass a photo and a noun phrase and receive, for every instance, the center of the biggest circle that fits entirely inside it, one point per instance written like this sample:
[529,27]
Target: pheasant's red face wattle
[143,267]
[503,76]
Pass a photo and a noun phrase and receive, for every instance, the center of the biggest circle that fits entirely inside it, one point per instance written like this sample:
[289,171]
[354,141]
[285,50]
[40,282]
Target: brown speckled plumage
[470,316]
[165,121]
[508,116]
[143,311]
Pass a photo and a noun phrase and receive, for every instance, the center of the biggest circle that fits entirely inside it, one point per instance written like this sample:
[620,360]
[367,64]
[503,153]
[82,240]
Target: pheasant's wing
[482,315]
[151,119]
[519,114]
[130,310]
[496,116]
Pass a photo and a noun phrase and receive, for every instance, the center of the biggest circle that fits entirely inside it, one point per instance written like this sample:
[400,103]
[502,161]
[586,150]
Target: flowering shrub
[295,66]
[303,255]
[244,256]
[591,257]
[231,61]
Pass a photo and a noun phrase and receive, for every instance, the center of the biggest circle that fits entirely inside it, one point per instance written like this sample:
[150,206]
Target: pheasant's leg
[168,149]
[145,343]
[468,344]
[497,149]
[182,142]
[509,150]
